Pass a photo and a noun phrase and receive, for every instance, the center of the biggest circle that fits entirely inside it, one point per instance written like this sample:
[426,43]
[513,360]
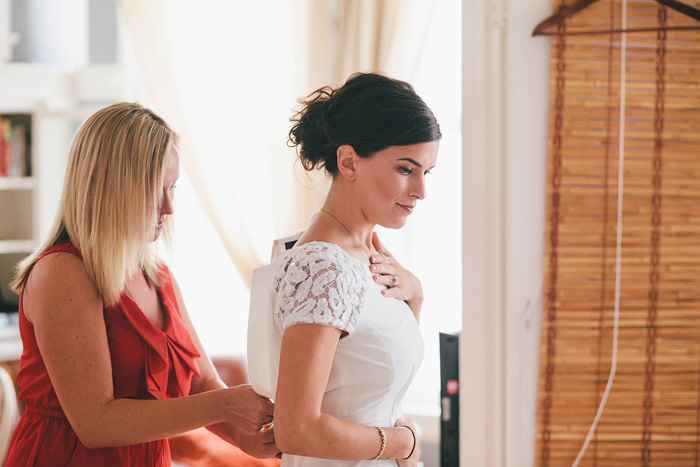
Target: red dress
[147,363]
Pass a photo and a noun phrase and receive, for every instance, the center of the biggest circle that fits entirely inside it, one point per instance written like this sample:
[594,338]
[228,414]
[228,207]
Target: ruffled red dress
[147,363]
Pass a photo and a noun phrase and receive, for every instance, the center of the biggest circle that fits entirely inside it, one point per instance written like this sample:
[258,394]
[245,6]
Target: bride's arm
[300,426]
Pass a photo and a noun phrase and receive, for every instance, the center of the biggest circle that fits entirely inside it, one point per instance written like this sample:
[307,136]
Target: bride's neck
[345,207]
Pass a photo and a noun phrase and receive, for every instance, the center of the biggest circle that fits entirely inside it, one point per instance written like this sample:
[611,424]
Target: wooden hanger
[542,29]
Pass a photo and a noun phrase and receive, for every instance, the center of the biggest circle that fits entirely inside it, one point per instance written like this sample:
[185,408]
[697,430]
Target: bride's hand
[402,283]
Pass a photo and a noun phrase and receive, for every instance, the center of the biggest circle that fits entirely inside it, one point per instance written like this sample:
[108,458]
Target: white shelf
[17,246]
[10,343]
[26,86]
[17,183]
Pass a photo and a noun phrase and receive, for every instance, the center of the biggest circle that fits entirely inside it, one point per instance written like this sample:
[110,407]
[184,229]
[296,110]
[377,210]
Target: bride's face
[391,182]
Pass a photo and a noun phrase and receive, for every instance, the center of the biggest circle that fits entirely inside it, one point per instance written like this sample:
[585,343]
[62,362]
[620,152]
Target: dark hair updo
[370,112]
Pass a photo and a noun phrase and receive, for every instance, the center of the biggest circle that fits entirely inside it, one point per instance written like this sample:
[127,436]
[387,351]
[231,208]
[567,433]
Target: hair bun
[310,133]
[370,112]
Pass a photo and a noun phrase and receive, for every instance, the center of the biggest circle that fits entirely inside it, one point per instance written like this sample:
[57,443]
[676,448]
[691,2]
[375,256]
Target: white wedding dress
[374,364]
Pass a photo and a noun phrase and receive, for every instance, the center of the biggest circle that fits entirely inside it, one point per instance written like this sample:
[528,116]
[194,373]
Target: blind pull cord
[618,247]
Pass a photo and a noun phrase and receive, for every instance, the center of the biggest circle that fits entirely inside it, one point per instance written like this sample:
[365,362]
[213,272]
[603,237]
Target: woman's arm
[67,313]
[260,443]
[300,426]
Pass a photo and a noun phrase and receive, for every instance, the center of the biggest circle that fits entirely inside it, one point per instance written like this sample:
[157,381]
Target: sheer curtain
[382,35]
[225,75]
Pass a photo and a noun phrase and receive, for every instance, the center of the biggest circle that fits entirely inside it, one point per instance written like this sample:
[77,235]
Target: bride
[348,311]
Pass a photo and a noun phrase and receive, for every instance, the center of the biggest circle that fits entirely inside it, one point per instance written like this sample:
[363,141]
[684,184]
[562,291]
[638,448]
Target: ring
[396,281]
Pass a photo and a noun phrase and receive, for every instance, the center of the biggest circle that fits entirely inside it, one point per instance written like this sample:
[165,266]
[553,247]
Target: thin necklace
[358,243]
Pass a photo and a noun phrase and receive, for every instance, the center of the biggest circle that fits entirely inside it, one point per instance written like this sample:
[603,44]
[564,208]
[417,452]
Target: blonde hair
[111,197]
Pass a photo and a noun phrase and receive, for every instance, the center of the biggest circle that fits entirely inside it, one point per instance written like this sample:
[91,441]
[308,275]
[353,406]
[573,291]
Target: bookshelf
[17,197]
[17,215]
[37,119]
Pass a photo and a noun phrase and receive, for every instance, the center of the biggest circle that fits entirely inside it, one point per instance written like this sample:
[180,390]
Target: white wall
[505,105]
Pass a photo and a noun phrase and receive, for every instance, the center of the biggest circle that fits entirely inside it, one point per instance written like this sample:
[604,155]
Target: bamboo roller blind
[652,416]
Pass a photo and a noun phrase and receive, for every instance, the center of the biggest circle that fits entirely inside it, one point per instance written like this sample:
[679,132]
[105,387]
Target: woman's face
[172,173]
[393,180]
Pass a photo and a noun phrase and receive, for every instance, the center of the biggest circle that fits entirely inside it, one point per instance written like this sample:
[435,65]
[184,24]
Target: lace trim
[319,283]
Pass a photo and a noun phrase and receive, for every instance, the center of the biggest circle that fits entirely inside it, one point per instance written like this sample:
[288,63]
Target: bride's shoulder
[318,283]
[321,254]
[319,261]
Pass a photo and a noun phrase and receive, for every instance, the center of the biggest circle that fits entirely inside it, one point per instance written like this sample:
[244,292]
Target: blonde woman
[347,309]
[111,364]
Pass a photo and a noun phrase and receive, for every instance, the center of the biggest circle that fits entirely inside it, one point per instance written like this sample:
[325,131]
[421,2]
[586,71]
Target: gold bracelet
[381,451]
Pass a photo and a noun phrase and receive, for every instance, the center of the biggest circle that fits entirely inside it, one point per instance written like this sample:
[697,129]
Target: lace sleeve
[319,284]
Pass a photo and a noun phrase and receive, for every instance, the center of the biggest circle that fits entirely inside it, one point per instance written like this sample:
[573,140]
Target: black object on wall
[449,398]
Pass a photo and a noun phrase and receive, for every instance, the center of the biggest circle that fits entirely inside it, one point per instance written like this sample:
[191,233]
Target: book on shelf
[14,139]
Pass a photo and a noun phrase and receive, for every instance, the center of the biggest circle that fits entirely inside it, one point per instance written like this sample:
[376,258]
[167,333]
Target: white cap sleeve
[319,284]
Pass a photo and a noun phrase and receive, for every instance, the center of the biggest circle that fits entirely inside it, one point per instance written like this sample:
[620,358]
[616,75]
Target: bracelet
[414,441]
[381,451]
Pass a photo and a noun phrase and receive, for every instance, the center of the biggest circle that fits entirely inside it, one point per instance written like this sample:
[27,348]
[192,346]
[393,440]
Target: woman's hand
[250,415]
[386,270]
[260,444]
[415,457]
[246,409]
[248,427]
